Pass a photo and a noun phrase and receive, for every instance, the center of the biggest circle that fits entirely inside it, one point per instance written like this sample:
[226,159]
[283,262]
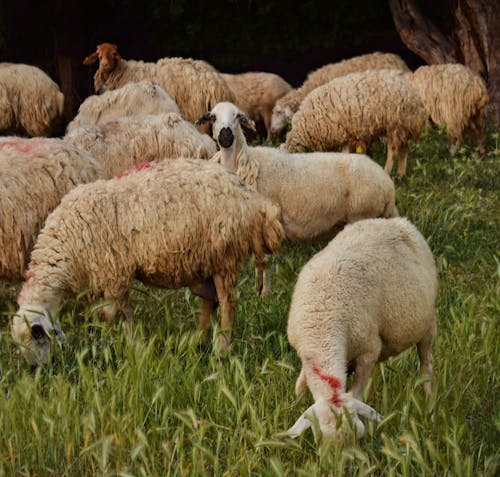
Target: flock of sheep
[107,203]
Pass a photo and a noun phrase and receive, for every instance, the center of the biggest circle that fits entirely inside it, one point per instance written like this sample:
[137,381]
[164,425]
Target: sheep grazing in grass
[370,294]
[122,144]
[318,193]
[30,102]
[288,105]
[34,176]
[358,109]
[256,94]
[172,224]
[454,98]
[193,84]
[132,99]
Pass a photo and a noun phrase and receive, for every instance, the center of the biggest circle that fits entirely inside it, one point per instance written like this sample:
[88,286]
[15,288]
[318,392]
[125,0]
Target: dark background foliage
[274,35]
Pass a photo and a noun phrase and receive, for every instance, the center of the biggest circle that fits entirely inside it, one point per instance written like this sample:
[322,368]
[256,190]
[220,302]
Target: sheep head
[281,116]
[32,329]
[225,119]
[109,60]
[333,421]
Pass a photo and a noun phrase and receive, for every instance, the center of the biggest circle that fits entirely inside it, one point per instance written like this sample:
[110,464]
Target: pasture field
[163,405]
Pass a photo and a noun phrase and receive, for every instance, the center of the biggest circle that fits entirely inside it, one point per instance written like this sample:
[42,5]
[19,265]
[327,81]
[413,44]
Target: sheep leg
[365,364]
[403,157]
[389,162]
[224,285]
[262,276]
[206,309]
[424,347]
[477,127]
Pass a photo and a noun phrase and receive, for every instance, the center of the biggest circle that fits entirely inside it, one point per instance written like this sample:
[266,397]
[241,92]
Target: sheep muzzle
[226,137]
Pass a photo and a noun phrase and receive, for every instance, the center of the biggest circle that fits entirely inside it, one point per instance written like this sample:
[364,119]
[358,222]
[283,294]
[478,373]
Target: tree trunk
[474,40]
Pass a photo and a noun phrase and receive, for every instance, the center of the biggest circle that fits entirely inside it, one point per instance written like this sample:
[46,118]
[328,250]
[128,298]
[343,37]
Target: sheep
[358,109]
[256,94]
[194,85]
[172,224]
[368,295]
[34,175]
[132,99]
[454,97]
[30,102]
[317,192]
[288,105]
[128,141]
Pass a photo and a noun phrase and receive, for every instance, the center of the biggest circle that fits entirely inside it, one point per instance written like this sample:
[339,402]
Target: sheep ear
[246,122]
[206,118]
[303,423]
[365,411]
[92,58]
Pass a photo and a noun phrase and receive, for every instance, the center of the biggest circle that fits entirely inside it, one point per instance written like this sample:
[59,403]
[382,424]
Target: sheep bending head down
[170,224]
[370,294]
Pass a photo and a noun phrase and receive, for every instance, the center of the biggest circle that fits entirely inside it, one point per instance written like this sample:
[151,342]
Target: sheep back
[30,102]
[34,175]
[120,145]
[359,107]
[131,99]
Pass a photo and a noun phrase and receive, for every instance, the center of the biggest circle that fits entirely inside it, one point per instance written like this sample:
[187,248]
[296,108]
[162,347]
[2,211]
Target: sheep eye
[37,332]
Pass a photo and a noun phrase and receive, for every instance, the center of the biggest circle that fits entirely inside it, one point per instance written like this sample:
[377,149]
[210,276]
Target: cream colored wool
[290,103]
[256,94]
[34,176]
[30,102]
[317,192]
[132,99]
[454,98]
[175,224]
[370,294]
[360,108]
[194,85]
[122,144]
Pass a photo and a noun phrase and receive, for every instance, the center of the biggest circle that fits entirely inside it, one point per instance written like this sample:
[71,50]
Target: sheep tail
[268,233]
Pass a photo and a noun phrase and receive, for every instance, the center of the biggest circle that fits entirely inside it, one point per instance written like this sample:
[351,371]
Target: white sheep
[132,99]
[30,102]
[194,85]
[370,294]
[454,97]
[357,109]
[122,144]
[317,192]
[34,176]
[173,224]
[256,94]
[288,105]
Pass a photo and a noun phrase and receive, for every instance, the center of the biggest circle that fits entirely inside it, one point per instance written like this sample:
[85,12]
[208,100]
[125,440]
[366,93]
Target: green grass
[166,406]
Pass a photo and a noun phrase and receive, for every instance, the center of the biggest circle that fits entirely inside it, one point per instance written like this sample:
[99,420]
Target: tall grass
[163,405]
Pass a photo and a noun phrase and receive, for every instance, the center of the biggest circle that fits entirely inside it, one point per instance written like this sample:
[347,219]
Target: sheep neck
[230,155]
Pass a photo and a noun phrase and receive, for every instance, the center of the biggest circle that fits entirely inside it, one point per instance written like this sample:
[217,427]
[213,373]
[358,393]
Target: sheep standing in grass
[256,94]
[454,98]
[370,294]
[122,144]
[132,99]
[173,224]
[193,84]
[34,176]
[358,109]
[30,102]
[288,105]
[317,192]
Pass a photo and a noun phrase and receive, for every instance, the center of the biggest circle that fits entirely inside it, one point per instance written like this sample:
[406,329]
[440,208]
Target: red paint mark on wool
[334,384]
[137,168]
[22,145]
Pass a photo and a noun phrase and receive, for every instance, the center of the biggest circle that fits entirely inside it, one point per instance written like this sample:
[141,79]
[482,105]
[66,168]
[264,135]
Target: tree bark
[474,40]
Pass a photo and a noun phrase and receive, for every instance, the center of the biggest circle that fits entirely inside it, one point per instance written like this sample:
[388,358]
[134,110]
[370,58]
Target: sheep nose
[226,137]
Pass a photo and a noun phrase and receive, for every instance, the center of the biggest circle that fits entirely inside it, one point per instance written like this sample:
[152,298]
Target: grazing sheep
[34,176]
[120,145]
[454,98]
[358,109]
[256,94]
[317,192]
[30,102]
[287,106]
[132,99]
[193,84]
[370,294]
[173,224]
